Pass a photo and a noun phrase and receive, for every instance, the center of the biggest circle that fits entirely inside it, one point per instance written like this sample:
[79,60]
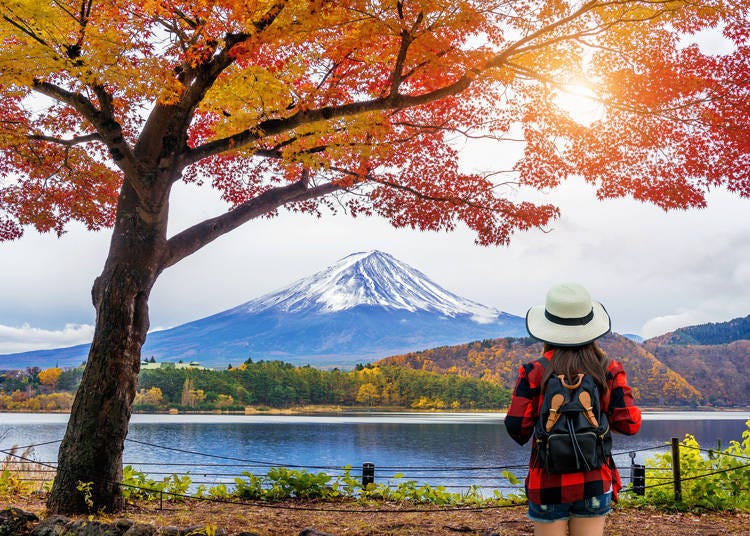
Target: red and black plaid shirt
[624,417]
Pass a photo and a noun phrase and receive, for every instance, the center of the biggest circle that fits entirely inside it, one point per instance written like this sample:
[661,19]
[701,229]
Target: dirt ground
[289,519]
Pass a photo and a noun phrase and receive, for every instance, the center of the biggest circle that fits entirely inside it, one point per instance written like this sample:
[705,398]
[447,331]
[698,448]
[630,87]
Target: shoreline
[376,410]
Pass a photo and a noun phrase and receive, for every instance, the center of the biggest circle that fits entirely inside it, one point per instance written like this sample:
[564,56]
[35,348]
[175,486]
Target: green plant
[11,485]
[219,491]
[87,489]
[136,485]
[347,485]
[472,496]
[717,480]
[251,488]
[287,483]
[411,491]
[176,487]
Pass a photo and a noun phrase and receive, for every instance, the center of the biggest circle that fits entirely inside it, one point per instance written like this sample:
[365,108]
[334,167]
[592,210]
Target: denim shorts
[592,507]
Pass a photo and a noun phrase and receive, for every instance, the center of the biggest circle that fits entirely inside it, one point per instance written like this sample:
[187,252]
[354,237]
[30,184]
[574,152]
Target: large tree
[350,105]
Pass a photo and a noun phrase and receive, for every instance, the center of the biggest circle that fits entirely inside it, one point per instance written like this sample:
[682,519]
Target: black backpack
[572,433]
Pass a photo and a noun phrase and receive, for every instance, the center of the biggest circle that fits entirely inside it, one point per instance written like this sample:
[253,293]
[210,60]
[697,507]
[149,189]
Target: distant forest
[708,334]
[271,384]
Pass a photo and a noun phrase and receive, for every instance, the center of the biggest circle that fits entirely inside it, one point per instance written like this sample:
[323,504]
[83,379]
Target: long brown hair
[589,359]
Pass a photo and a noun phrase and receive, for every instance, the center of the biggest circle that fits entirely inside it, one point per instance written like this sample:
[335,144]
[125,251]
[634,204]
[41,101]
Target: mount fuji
[364,307]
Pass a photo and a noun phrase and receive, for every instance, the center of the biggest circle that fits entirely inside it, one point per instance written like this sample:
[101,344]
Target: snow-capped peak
[370,278]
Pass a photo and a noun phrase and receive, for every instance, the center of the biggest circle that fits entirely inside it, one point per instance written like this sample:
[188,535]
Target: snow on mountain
[370,278]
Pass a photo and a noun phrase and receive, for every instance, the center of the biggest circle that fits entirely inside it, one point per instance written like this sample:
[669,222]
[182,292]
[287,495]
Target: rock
[62,526]
[91,528]
[52,526]
[200,530]
[140,529]
[313,532]
[14,521]
[123,524]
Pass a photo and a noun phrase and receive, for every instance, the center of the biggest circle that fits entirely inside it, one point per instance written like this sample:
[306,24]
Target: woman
[568,323]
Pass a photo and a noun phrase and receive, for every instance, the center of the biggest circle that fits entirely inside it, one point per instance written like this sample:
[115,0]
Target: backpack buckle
[576,385]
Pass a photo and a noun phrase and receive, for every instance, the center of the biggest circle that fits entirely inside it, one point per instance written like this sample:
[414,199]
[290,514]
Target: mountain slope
[366,306]
[718,371]
[498,360]
[713,357]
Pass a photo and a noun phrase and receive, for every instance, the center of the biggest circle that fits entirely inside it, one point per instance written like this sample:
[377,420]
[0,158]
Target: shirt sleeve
[624,416]
[519,421]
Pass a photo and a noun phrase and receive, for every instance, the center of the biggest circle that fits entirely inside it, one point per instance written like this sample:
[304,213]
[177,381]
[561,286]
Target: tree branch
[501,58]
[108,129]
[454,200]
[276,126]
[69,142]
[198,81]
[406,41]
[209,72]
[194,238]
[26,30]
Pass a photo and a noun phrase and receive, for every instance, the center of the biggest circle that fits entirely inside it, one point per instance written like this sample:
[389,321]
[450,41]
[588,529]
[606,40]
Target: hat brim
[543,329]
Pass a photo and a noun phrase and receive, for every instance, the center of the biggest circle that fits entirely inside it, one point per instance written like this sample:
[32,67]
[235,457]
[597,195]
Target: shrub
[711,479]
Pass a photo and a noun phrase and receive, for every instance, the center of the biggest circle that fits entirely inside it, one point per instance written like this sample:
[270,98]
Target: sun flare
[580,103]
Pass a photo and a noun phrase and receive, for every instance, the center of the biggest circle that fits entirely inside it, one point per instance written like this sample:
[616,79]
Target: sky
[654,271]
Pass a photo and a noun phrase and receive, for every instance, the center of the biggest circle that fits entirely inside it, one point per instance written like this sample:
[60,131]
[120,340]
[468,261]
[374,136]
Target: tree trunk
[91,451]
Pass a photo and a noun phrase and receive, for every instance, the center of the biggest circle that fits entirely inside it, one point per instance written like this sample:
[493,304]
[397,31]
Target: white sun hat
[568,317]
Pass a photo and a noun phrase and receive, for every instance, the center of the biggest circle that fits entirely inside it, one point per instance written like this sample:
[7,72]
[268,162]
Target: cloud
[663,324]
[26,338]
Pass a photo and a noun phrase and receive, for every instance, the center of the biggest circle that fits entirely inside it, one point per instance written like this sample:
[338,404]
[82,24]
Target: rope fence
[219,474]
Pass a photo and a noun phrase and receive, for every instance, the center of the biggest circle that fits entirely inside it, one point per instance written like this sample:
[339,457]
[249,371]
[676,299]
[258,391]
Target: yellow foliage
[368,394]
[223,401]
[49,376]
[52,402]
[428,403]
[151,397]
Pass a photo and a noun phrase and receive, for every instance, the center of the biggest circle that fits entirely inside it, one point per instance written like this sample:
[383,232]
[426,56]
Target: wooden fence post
[676,469]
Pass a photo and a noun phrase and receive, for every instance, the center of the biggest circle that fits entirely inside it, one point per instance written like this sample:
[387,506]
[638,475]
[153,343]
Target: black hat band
[579,321]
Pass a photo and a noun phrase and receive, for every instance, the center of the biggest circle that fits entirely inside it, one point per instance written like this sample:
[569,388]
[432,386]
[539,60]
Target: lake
[451,449]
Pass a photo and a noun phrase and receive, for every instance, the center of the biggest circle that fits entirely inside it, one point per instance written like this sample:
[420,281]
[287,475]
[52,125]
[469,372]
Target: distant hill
[714,358]
[498,360]
[708,334]
[718,371]
[633,337]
